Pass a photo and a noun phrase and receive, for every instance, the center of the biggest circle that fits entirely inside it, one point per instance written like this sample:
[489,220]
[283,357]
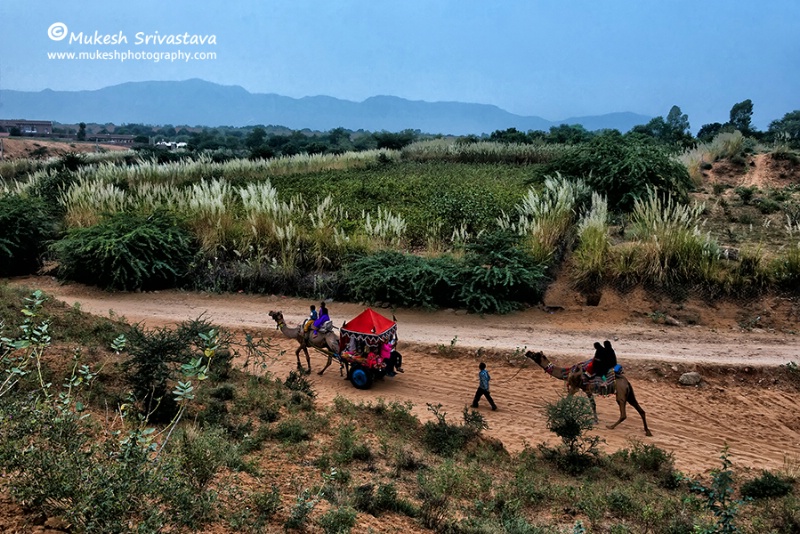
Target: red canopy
[369,322]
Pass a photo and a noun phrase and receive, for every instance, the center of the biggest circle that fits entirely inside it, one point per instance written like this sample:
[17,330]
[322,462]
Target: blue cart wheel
[360,377]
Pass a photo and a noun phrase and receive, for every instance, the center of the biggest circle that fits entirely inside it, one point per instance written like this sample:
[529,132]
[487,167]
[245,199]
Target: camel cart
[360,343]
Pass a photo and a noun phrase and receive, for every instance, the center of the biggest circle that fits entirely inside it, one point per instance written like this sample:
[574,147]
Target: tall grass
[591,255]
[248,222]
[724,145]
[19,168]
[238,171]
[482,152]
[671,247]
[87,202]
[546,217]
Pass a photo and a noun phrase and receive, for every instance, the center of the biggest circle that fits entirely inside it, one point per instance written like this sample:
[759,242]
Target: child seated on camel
[311,318]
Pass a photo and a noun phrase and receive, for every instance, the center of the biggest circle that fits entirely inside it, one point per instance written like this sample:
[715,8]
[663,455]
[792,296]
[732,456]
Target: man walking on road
[483,387]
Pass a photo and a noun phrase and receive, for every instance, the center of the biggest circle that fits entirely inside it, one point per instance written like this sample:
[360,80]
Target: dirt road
[740,401]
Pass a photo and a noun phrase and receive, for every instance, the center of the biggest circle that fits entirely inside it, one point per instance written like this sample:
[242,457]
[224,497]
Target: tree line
[672,131]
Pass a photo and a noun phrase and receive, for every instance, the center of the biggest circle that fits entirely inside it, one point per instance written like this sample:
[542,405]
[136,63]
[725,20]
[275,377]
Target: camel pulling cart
[366,347]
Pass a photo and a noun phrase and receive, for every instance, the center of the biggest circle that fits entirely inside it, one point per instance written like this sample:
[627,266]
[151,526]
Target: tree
[673,131]
[82,131]
[741,115]
[709,131]
[395,141]
[787,129]
[678,122]
[255,138]
[510,135]
[569,133]
[655,128]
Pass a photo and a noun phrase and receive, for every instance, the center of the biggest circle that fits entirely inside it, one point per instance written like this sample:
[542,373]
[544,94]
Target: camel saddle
[602,385]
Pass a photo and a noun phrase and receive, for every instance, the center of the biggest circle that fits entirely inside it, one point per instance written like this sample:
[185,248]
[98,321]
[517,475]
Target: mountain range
[202,103]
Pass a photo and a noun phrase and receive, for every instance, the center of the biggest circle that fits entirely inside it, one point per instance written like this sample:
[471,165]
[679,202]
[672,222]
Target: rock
[461,312]
[674,368]
[671,321]
[690,379]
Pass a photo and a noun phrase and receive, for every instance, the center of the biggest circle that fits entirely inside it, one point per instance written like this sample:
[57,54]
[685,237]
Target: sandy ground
[740,401]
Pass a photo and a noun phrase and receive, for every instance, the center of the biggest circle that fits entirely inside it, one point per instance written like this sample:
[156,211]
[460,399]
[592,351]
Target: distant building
[111,139]
[171,145]
[26,127]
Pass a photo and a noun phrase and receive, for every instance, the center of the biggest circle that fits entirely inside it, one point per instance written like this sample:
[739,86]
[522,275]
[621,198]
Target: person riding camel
[322,318]
[597,362]
[604,360]
[311,318]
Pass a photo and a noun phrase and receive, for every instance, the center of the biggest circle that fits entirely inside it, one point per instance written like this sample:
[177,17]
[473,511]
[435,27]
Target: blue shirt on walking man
[483,387]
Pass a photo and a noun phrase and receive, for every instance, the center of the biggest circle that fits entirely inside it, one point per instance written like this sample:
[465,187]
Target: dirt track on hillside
[742,401]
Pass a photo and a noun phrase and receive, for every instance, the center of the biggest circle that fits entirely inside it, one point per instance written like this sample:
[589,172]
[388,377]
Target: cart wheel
[360,377]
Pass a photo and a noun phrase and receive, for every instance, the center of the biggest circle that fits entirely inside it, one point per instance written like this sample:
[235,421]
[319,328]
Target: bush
[338,520]
[265,504]
[498,276]
[495,276]
[746,193]
[624,169]
[202,455]
[154,357]
[292,431]
[126,252]
[402,279]
[765,486]
[649,457]
[768,205]
[446,439]
[570,418]
[25,227]
[297,382]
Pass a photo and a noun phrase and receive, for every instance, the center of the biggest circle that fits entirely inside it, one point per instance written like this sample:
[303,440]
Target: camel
[327,343]
[576,381]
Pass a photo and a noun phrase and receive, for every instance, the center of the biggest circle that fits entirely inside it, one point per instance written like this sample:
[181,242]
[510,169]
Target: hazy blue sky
[552,58]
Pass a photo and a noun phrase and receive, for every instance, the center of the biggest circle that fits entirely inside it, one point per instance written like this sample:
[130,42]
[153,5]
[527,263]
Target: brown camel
[326,343]
[576,381]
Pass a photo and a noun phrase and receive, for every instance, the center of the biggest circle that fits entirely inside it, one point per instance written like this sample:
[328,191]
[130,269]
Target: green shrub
[570,418]
[768,205]
[346,449]
[718,496]
[402,279]
[499,276]
[126,252]
[153,359]
[296,381]
[649,457]
[765,486]
[292,431]
[366,499]
[495,276]
[339,520]
[202,454]
[298,515]
[446,439]
[25,227]
[624,169]
[746,194]
[265,504]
